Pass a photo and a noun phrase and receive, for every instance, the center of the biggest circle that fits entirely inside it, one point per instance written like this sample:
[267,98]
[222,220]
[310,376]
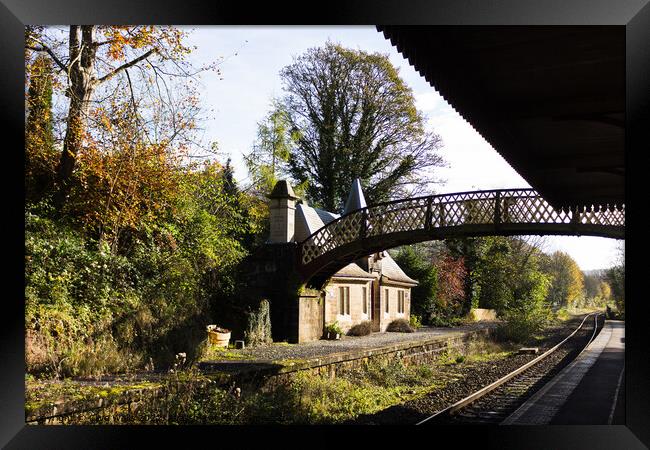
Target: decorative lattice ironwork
[498,208]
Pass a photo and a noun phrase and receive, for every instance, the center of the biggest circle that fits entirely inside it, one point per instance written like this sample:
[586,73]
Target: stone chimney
[282,213]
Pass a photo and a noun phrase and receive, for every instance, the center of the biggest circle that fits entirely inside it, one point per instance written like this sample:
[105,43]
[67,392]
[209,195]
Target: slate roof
[353,271]
[393,272]
[283,189]
[309,219]
[356,200]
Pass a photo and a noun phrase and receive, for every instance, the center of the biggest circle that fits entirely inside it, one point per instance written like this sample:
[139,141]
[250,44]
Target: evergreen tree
[418,266]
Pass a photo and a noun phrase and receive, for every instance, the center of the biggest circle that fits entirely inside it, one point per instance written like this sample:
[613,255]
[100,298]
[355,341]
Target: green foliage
[415,321]
[416,264]
[616,278]
[567,287]
[521,324]
[507,274]
[144,244]
[268,161]
[562,314]
[530,313]
[40,154]
[333,328]
[150,297]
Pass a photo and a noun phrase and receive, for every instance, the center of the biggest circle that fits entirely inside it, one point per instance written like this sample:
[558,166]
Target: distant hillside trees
[597,291]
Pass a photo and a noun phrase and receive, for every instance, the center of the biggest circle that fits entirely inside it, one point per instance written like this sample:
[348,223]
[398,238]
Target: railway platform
[589,391]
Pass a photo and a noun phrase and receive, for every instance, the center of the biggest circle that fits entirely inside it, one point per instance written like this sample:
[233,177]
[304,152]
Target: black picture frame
[634,15]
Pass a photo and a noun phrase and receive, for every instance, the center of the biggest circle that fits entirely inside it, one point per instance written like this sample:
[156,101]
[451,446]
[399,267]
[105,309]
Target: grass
[478,351]
[303,398]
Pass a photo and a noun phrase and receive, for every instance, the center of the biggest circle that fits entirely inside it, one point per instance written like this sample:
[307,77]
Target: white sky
[252,57]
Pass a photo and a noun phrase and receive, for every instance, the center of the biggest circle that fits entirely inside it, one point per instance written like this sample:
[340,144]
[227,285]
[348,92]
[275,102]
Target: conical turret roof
[356,200]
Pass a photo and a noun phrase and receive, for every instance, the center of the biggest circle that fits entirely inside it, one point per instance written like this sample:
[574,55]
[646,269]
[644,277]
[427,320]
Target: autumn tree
[90,59]
[567,287]
[450,296]
[355,118]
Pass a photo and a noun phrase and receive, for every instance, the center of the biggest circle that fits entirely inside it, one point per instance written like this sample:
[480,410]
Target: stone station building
[373,288]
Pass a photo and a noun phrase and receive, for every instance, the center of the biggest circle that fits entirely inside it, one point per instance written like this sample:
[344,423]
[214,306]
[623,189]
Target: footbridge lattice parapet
[477,213]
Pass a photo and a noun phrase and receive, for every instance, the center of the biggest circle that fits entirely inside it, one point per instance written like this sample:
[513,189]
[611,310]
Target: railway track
[495,402]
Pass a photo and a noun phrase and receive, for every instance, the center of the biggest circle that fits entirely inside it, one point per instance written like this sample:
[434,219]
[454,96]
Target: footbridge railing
[495,212]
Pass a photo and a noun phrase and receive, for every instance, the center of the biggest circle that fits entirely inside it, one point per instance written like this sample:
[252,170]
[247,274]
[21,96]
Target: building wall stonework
[310,318]
[333,311]
[346,321]
[386,317]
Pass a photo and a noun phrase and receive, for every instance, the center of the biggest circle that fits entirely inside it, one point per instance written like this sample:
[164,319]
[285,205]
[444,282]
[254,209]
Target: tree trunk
[83,81]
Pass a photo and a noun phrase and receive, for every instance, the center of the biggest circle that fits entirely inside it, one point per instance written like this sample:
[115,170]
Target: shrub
[562,314]
[521,324]
[361,329]
[258,327]
[400,326]
[415,321]
[333,328]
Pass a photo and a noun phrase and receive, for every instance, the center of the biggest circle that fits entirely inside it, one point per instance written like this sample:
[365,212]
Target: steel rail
[491,387]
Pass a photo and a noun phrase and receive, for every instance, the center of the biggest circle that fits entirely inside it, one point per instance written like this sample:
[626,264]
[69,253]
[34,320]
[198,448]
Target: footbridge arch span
[464,214]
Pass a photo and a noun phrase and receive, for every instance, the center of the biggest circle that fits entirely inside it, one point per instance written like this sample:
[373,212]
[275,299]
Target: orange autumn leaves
[122,38]
[125,189]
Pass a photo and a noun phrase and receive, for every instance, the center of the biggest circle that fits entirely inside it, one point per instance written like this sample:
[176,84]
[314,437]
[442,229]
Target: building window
[364,299]
[387,291]
[400,302]
[344,300]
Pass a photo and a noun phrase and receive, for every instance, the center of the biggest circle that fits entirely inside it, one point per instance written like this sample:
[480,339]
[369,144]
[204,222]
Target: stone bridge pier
[273,273]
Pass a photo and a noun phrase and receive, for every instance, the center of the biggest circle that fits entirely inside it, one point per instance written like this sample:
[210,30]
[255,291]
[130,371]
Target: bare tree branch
[45,48]
[127,65]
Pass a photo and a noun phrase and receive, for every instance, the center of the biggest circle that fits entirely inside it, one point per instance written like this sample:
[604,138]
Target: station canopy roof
[550,100]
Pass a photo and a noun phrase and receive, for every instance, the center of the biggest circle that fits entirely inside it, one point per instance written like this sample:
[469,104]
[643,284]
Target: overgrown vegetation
[131,246]
[258,327]
[304,398]
[134,231]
